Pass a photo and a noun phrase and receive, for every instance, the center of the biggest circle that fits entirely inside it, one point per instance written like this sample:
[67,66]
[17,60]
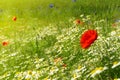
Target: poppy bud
[14,18]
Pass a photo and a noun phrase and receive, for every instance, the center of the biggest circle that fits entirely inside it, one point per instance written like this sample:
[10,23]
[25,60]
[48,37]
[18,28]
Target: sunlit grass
[43,42]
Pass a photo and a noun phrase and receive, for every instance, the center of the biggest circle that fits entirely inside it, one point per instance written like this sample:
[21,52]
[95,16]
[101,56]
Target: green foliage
[44,42]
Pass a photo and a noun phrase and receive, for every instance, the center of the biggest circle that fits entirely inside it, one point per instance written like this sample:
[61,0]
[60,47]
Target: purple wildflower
[51,5]
[74,0]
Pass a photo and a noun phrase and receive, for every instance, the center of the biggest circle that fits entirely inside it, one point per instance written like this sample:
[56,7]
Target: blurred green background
[61,9]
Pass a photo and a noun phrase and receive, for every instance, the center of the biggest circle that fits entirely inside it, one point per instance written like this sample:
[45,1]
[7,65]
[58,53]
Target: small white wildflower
[113,33]
[28,75]
[81,15]
[117,79]
[35,74]
[115,64]
[37,66]
[13,54]
[97,71]
[53,70]
[79,69]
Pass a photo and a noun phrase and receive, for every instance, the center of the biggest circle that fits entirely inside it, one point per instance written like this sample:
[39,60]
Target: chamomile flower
[82,15]
[28,75]
[113,33]
[97,70]
[53,70]
[115,64]
[79,68]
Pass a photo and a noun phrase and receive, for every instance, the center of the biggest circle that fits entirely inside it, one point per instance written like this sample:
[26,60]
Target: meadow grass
[62,10]
[44,41]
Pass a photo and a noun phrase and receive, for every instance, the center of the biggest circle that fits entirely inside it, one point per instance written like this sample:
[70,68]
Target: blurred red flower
[87,38]
[5,43]
[64,65]
[77,22]
[14,18]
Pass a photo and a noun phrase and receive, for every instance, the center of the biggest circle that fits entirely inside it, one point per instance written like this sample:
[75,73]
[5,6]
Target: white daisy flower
[115,64]
[97,70]
[117,79]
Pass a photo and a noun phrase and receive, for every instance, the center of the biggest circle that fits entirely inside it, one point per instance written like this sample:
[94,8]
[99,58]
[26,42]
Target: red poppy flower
[77,21]
[64,65]
[87,38]
[5,43]
[14,18]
